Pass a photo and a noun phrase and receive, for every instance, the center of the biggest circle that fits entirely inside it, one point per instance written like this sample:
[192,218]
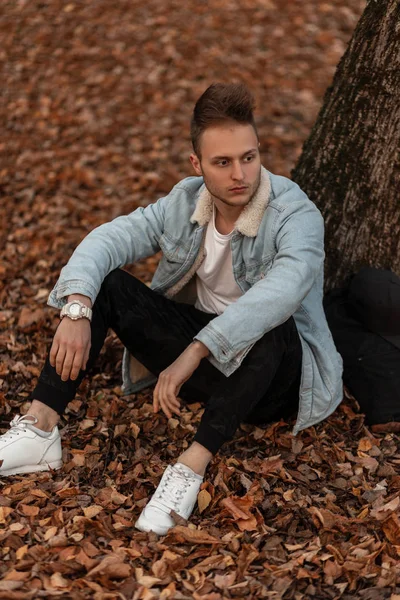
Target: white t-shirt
[215,283]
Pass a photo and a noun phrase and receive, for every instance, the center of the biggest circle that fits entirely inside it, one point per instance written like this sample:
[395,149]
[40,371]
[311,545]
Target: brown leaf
[203,500]
[392,427]
[7,586]
[112,566]
[271,465]
[391,528]
[223,582]
[14,575]
[58,581]
[135,430]
[194,536]
[146,580]
[382,512]
[22,550]
[210,596]
[364,444]
[117,498]
[5,511]
[28,317]
[29,510]
[51,532]
[92,511]
[178,519]
[238,507]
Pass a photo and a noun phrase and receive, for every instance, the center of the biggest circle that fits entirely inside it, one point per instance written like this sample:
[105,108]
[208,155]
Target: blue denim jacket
[277,260]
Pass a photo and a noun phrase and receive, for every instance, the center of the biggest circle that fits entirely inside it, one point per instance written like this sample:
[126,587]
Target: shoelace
[174,487]
[18,425]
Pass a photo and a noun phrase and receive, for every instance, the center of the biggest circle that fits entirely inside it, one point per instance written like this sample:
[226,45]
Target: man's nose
[237,171]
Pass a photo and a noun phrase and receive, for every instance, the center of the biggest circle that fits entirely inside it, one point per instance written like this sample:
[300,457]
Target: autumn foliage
[95,103]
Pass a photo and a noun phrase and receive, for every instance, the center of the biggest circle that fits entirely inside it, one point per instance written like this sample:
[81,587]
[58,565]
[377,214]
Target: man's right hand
[70,349]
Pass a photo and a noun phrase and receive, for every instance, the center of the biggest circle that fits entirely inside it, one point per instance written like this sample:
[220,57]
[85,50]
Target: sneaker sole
[55,465]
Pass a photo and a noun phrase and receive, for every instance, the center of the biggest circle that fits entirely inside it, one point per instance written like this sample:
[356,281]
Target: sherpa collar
[250,217]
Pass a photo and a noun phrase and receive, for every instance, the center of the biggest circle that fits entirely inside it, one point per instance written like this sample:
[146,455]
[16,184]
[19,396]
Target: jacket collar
[250,218]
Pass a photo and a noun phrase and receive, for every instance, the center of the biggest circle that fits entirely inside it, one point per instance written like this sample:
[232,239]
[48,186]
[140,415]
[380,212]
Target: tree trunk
[350,164]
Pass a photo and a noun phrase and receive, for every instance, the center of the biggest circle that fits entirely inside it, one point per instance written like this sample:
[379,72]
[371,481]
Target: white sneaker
[176,491]
[24,450]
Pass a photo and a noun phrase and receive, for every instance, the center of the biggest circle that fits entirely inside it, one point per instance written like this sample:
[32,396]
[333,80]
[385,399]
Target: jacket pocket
[173,250]
[256,272]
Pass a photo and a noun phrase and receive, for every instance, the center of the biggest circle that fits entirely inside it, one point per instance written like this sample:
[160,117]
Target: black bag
[364,318]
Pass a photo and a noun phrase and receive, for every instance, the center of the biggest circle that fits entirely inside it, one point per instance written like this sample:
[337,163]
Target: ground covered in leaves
[94,108]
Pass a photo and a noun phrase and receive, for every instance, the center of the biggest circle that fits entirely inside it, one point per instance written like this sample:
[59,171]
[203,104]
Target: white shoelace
[174,487]
[18,425]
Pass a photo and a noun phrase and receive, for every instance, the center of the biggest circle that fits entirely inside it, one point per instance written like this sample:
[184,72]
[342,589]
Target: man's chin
[237,200]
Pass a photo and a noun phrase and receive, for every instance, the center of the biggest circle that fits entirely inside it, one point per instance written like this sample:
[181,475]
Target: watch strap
[84,311]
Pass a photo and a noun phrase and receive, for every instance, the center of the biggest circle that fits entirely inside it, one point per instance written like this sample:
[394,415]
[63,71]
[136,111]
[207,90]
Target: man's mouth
[239,188]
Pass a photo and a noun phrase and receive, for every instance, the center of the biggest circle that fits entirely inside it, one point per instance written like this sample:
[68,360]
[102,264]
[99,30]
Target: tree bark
[350,165]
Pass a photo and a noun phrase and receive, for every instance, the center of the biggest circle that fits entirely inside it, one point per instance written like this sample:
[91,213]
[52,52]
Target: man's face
[230,163]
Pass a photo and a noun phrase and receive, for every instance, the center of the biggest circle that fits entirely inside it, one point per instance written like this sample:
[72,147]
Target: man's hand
[69,352]
[171,379]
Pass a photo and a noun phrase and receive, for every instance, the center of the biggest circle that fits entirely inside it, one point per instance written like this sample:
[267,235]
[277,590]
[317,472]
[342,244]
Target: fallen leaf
[203,500]
[92,511]
[194,536]
[29,510]
[28,317]
[58,581]
[112,566]
[22,550]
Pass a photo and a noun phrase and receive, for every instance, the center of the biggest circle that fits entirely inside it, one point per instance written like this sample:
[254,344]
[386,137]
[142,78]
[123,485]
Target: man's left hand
[171,379]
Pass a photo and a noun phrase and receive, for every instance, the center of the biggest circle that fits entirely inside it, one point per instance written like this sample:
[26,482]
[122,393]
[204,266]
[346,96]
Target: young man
[234,315]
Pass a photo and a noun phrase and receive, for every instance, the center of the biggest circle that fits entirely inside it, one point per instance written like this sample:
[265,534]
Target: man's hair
[221,103]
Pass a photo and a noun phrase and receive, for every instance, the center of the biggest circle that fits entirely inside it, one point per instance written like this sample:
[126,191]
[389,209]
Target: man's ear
[194,159]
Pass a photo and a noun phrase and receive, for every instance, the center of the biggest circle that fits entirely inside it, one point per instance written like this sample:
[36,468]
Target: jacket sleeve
[273,299]
[120,242]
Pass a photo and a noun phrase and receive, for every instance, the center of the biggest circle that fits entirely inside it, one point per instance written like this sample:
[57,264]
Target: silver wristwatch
[76,310]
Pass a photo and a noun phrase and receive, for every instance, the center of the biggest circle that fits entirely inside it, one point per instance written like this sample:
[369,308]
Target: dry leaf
[194,536]
[112,566]
[4,512]
[58,581]
[92,511]
[20,553]
[203,500]
[29,510]
[51,532]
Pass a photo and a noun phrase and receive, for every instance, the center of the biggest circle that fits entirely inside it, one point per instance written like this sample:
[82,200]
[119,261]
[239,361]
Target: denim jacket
[277,260]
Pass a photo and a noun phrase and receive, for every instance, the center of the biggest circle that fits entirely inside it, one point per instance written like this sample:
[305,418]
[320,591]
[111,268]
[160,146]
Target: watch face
[74,309]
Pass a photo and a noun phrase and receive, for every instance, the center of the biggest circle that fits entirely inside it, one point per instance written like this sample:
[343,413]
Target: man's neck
[225,216]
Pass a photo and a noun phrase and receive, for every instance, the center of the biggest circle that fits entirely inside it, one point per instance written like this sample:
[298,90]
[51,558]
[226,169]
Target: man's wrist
[84,299]
[200,348]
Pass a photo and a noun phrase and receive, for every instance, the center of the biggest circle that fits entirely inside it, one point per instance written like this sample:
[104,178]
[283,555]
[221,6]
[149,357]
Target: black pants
[156,331]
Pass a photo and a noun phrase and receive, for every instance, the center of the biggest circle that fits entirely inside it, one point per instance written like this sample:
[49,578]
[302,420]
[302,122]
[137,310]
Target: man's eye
[249,158]
[222,163]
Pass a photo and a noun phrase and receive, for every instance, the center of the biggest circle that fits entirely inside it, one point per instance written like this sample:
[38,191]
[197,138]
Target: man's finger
[156,401]
[60,359]
[162,397]
[76,365]
[86,358]
[66,370]
[165,409]
[173,402]
[53,352]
